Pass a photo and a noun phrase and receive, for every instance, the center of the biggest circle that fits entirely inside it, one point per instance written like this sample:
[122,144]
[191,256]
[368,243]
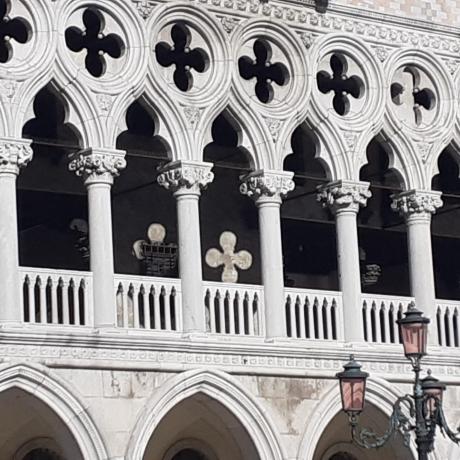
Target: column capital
[97,165]
[186,177]
[267,185]
[419,204]
[344,195]
[14,155]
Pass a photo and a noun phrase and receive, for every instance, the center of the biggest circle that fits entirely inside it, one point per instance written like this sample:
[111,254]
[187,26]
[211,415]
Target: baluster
[240,305]
[72,290]
[319,317]
[293,317]
[221,307]
[167,309]
[450,323]
[378,323]
[367,321]
[135,302]
[251,302]
[439,324]
[212,312]
[328,306]
[311,333]
[42,296]
[455,325]
[146,307]
[156,309]
[53,299]
[64,302]
[301,308]
[231,311]
[386,318]
[120,304]
[31,297]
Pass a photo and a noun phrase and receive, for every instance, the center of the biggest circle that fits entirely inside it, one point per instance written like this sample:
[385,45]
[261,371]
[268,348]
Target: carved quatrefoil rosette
[228,258]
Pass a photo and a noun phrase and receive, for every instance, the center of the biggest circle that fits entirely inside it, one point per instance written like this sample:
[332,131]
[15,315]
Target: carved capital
[344,195]
[98,165]
[186,176]
[416,203]
[266,185]
[14,155]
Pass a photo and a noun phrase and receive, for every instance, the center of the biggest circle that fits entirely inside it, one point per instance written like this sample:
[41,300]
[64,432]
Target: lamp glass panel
[414,337]
[431,402]
[353,394]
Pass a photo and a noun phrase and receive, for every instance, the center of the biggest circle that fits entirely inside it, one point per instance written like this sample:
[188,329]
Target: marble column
[98,168]
[14,155]
[186,179]
[267,188]
[344,199]
[417,207]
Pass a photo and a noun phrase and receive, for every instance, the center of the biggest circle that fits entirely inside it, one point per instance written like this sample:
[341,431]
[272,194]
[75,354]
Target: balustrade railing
[379,316]
[148,303]
[235,309]
[61,297]
[314,314]
[56,297]
[447,322]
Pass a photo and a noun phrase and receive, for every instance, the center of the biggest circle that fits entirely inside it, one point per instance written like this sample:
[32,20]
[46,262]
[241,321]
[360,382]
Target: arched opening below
[30,430]
[335,442]
[200,428]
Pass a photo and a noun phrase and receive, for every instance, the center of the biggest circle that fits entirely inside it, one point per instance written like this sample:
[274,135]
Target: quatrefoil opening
[95,41]
[263,71]
[341,84]
[180,54]
[17,29]
[411,94]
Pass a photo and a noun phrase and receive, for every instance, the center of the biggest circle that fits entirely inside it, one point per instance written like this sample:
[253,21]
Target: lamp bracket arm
[444,426]
[368,439]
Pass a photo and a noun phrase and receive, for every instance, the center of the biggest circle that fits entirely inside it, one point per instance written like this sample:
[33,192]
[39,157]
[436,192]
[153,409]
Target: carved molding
[265,184]
[186,176]
[344,195]
[418,203]
[98,165]
[14,155]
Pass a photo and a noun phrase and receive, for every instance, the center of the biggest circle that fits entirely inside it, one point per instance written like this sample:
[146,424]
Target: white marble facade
[109,387]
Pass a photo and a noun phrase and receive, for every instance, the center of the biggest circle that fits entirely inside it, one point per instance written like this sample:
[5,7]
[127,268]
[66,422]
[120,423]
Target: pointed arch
[218,386]
[379,393]
[58,396]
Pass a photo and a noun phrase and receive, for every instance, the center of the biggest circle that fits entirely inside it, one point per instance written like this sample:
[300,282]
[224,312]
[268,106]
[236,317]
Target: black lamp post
[420,412]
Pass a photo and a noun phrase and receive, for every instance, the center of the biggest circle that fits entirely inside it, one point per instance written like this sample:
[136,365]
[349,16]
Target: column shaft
[272,268]
[344,198]
[267,188]
[14,154]
[417,207]
[349,274]
[190,269]
[101,253]
[186,179]
[98,167]
[11,310]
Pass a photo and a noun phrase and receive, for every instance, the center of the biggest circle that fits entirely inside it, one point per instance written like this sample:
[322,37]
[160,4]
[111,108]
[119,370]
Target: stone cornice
[372,26]
[171,353]
[186,176]
[344,195]
[14,155]
[267,185]
[416,203]
[98,165]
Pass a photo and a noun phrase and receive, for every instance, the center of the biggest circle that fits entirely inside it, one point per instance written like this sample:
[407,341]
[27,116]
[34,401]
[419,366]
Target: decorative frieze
[191,176]
[98,165]
[344,195]
[14,154]
[265,184]
[418,203]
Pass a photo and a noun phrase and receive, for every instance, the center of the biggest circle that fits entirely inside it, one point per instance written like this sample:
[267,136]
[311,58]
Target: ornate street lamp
[419,413]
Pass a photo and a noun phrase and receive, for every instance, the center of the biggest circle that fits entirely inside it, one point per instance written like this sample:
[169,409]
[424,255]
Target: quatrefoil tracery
[263,70]
[96,43]
[342,85]
[17,29]
[182,56]
[411,94]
